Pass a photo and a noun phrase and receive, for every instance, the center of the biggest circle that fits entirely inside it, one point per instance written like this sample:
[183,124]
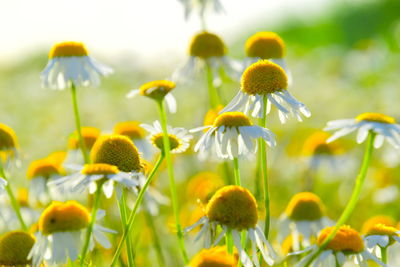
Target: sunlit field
[277,146]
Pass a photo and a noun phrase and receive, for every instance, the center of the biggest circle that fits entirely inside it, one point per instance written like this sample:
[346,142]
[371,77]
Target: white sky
[147,28]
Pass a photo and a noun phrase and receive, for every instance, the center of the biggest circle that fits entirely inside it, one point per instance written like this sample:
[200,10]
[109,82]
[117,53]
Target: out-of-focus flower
[15,247]
[201,6]
[378,219]
[70,63]
[8,145]
[263,83]
[203,185]
[74,154]
[214,257]
[380,236]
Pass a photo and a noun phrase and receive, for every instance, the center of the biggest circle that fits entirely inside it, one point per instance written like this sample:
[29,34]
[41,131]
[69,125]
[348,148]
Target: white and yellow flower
[74,153]
[8,146]
[15,247]
[381,236]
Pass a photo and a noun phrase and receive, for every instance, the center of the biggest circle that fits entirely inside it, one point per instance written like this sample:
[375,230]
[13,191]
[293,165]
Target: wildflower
[203,185]
[179,139]
[207,48]
[39,173]
[235,209]
[378,219]
[62,227]
[8,144]
[201,6]
[381,236]
[70,64]
[385,127]
[58,157]
[346,244]
[15,247]
[157,90]
[303,219]
[214,257]
[233,135]
[263,83]
[89,135]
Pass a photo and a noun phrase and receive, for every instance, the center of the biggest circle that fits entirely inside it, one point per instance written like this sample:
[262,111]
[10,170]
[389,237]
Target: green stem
[264,171]
[229,241]
[78,124]
[89,230]
[353,199]
[132,216]
[13,200]
[123,211]
[384,254]
[236,171]
[172,186]
[212,91]
[258,175]
[157,243]
[227,173]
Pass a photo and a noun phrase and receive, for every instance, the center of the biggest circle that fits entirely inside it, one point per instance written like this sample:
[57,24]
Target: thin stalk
[132,216]
[236,171]
[384,254]
[229,241]
[78,124]
[258,175]
[215,99]
[157,243]
[172,186]
[13,200]
[227,173]
[354,196]
[124,220]
[89,230]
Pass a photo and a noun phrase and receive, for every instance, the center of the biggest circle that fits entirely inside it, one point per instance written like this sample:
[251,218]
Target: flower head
[131,129]
[15,247]
[346,239]
[205,45]
[265,45]
[378,219]
[89,135]
[305,206]
[203,186]
[214,257]
[44,168]
[381,235]
[8,143]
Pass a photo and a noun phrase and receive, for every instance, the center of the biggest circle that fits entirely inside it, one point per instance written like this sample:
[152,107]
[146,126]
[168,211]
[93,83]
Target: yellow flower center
[376,117]
[305,206]
[205,45]
[211,115]
[99,168]
[381,229]
[265,45]
[378,219]
[22,197]
[214,257]
[45,168]
[203,185]
[8,138]
[63,217]
[263,77]
[232,119]
[131,129]
[68,49]
[57,157]
[346,240]
[89,135]
[157,141]
[15,247]
[157,89]
[316,145]
[116,150]
[233,206]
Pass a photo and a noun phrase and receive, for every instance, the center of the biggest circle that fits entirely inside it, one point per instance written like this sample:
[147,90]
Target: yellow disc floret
[316,145]
[63,217]
[263,77]
[346,240]
[211,115]
[265,45]
[205,45]
[157,141]
[131,129]
[99,169]
[89,135]
[157,89]
[381,229]
[305,206]
[57,157]
[44,168]
[203,185]
[376,117]
[117,150]
[214,257]
[23,197]
[15,247]
[68,49]
[233,206]
[378,219]
[232,119]
[8,138]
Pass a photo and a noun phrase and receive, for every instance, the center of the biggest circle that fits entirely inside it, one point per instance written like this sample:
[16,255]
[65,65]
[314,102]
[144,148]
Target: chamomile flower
[377,219]
[203,185]
[201,6]
[233,134]
[380,236]
[69,63]
[62,227]
[8,145]
[39,173]
[303,219]
[385,127]
[207,48]
[15,247]
[263,83]
[214,257]
[235,209]
[346,245]
[157,90]
[179,139]
[89,136]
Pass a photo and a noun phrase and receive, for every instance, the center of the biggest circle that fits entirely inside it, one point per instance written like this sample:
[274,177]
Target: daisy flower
[201,6]
[235,209]
[385,127]
[346,245]
[303,219]
[62,228]
[202,186]
[8,145]
[89,136]
[70,64]
[216,256]
[377,219]
[233,135]
[379,237]
[207,48]
[263,83]
[157,90]
[15,247]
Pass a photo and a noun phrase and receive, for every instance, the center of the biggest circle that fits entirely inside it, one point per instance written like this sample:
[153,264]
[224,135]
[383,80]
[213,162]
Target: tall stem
[354,196]
[229,241]
[124,220]
[215,99]
[132,216]
[384,254]
[172,186]
[236,171]
[78,124]
[89,230]
[156,240]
